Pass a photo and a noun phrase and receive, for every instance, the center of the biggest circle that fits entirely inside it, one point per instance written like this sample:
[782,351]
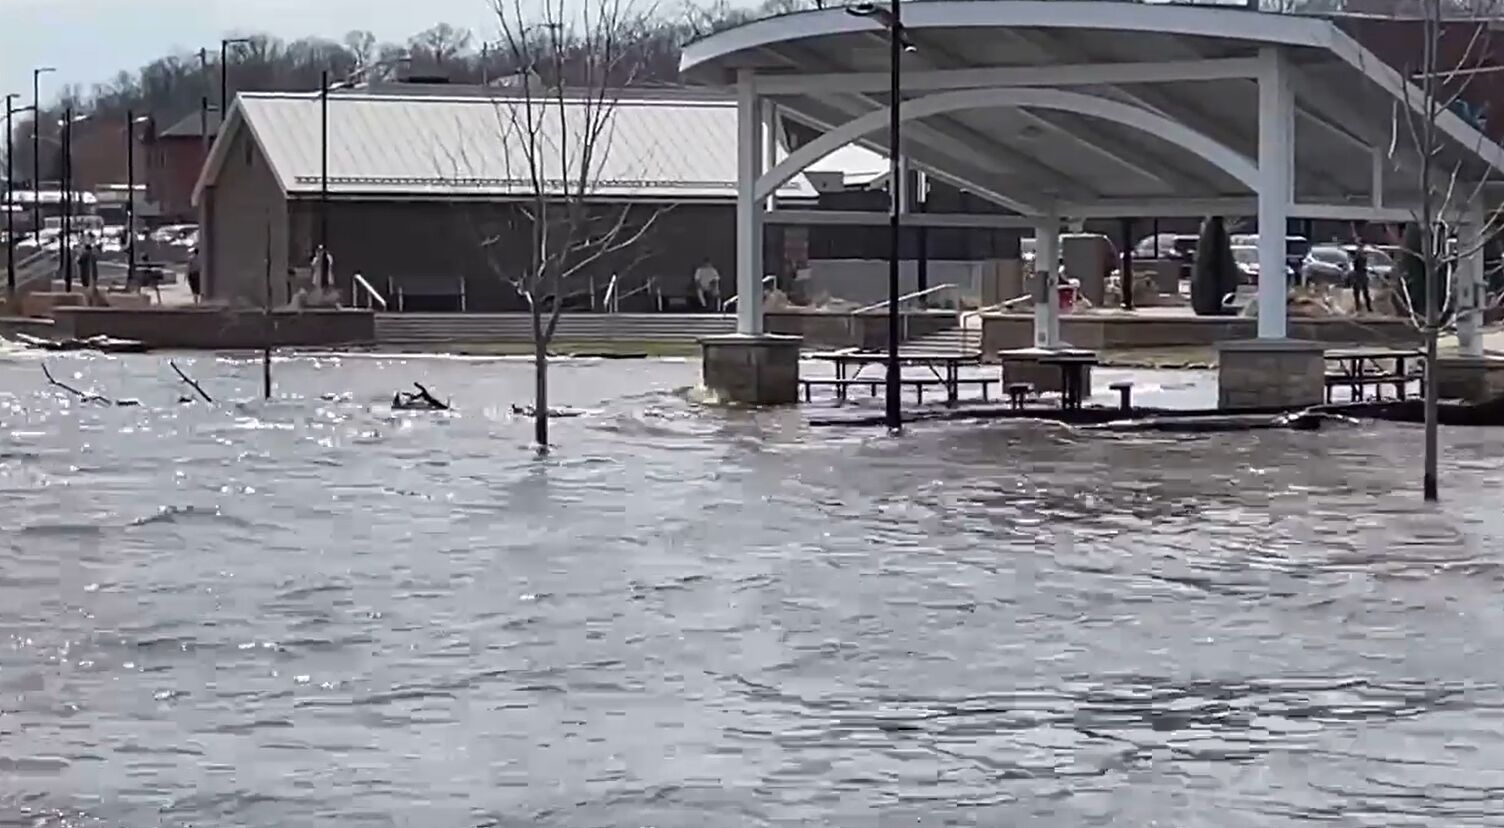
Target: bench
[1125,394]
[1376,381]
[872,385]
[1017,392]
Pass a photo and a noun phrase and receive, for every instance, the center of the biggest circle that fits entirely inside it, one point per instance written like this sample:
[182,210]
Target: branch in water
[189,380]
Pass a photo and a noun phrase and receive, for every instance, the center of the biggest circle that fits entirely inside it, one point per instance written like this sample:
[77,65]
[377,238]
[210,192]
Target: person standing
[1359,277]
[195,273]
[88,265]
[708,286]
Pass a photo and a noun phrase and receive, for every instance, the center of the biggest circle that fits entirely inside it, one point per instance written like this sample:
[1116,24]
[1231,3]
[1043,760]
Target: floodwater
[313,612]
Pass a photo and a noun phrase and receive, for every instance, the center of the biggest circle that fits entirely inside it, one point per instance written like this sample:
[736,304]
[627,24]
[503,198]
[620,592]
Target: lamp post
[10,194]
[130,193]
[890,17]
[324,262]
[36,150]
[224,73]
[64,240]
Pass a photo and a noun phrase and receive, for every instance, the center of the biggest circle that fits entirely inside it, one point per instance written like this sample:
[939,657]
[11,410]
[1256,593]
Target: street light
[890,18]
[224,72]
[131,120]
[324,262]
[36,150]
[66,197]
[10,195]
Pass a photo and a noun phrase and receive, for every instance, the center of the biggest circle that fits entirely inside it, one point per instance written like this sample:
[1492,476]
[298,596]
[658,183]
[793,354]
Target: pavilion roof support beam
[1070,74]
[965,146]
[980,185]
[1228,160]
[1164,175]
[1048,43]
[868,218]
[1231,206]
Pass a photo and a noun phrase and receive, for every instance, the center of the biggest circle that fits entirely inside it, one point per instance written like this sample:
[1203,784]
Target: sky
[89,41]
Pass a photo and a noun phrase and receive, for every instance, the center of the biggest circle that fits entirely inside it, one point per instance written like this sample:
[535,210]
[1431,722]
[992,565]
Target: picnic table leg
[952,383]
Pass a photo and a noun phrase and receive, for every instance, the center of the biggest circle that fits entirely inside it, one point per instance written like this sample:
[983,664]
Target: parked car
[1247,258]
[1296,248]
[1326,264]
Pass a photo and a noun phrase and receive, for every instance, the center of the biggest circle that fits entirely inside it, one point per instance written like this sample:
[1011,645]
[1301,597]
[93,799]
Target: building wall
[243,214]
[172,170]
[428,248]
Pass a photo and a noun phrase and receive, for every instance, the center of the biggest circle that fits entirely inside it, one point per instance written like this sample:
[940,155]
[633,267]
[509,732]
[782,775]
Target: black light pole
[323,251]
[224,73]
[891,18]
[36,151]
[130,194]
[10,198]
[66,199]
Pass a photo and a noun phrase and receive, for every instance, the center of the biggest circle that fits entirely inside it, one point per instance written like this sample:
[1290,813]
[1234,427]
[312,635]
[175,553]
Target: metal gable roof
[429,146]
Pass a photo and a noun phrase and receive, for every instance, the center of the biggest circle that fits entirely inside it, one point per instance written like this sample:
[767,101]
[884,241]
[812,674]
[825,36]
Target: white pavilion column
[1046,283]
[1276,180]
[1272,371]
[1467,285]
[749,211]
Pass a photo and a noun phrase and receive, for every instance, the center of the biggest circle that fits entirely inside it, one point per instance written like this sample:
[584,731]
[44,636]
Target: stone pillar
[1270,373]
[1467,286]
[752,370]
[1276,187]
[1471,379]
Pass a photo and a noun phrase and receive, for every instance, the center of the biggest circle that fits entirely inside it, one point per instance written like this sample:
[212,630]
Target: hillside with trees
[176,86]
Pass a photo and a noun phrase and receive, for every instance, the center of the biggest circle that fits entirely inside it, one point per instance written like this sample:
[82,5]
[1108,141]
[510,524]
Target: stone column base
[1023,365]
[760,369]
[1270,373]
[1470,379]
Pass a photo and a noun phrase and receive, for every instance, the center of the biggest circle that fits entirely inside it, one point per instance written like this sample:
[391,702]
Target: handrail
[610,299]
[646,286]
[906,297]
[360,281]
[726,305]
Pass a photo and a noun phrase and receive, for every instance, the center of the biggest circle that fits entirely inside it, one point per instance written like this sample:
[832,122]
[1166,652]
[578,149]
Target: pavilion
[1064,110]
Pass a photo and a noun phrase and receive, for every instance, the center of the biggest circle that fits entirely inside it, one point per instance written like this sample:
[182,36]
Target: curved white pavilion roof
[1087,107]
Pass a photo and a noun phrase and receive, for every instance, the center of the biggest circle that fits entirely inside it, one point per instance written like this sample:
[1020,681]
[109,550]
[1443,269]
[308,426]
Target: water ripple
[314,611]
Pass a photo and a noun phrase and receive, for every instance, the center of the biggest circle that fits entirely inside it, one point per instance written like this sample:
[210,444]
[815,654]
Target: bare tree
[1454,49]
[558,125]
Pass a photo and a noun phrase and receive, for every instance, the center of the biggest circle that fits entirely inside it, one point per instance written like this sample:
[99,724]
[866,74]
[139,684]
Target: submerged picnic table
[1359,368]
[944,369]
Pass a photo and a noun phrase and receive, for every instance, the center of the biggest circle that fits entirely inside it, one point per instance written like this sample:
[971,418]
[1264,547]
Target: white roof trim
[1195,21]
[1228,23]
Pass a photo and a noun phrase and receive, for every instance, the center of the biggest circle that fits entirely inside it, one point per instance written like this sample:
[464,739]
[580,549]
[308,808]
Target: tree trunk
[1433,324]
[540,383]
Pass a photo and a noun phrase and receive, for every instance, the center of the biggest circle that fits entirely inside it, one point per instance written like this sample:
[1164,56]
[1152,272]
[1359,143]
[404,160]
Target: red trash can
[1067,296]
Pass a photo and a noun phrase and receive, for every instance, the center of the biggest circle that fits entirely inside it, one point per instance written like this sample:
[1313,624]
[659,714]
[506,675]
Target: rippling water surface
[314,612]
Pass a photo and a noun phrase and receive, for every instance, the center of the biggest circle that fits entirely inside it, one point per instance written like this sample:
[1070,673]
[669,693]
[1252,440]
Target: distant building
[425,193]
[174,157]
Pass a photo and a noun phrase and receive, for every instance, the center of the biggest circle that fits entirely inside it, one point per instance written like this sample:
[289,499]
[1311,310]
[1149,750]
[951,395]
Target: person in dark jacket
[1359,278]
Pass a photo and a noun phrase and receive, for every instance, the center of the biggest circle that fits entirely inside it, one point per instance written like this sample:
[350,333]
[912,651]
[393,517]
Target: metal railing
[729,303]
[372,296]
[651,285]
[611,301]
[903,319]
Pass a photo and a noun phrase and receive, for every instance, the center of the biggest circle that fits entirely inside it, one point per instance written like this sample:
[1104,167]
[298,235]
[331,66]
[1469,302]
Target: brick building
[174,157]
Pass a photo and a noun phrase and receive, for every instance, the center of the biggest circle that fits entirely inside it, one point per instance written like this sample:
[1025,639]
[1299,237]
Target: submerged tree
[557,126]
[1454,48]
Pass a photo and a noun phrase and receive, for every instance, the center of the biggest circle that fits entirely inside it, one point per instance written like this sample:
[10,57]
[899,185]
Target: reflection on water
[311,611]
